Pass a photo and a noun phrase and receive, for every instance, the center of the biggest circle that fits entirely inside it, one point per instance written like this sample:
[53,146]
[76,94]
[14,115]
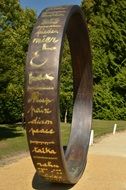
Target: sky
[39,5]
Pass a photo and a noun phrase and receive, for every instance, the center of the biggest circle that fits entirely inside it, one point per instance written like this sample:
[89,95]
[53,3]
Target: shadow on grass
[39,183]
[10,131]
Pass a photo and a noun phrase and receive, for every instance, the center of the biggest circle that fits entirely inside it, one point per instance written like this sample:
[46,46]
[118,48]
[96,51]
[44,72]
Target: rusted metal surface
[42,94]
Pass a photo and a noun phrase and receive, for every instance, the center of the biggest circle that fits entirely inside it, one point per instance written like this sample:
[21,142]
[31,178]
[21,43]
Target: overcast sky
[38,5]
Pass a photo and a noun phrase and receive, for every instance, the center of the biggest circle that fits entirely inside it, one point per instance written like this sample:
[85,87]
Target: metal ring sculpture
[42,94]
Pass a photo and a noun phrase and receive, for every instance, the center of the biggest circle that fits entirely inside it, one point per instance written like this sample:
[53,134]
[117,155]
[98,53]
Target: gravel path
[106,170]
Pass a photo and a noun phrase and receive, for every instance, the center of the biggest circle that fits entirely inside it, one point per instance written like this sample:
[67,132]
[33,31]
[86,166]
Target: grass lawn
[13,137]
[12,140]
[100,127]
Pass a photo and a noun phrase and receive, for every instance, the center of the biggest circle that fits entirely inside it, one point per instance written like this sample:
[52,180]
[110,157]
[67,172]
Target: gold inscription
[41,131]
[41,110]
[42,142]
[56,8]
[38,121]
[40,77]
[48,165]
[45,40]
[57,12]
[35,98]
[48,31]
[44,150]
[45,158]
[58,172]
[49,26]
[38,64]
[45,48]
[51,21]
[47,15]
[53,177]
[42,170]
[41,88]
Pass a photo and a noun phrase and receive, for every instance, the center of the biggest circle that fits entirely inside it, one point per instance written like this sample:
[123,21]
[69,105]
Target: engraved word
[49,31]
[56,8]
[48,165]
[41,131]
[38,121]
[45,48]
[46,15]
[54,12]
[51,21]
[42,170]
[49,26]
[45,150]
[45,40]
[53,177]
[42,142]
[45,158]
[42,110]
[35,98]
[40,88]
[38,63]
[40,77]
[58,171]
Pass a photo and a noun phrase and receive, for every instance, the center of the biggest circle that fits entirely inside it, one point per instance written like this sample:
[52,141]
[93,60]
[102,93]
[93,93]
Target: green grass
[13,137]
[12,140]
[100,128]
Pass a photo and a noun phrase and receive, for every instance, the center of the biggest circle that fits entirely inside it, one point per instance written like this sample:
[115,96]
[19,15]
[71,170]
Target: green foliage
[66,84]
[15,28]
[107,28]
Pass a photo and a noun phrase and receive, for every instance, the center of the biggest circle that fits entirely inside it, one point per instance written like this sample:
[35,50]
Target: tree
[107,28]
[15,29]
[66,84]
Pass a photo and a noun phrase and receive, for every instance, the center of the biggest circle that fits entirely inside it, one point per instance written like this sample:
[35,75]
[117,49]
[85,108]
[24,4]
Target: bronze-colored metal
[42,94]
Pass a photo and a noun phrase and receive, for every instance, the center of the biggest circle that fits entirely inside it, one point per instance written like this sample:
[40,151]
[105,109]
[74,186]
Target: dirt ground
[106,169]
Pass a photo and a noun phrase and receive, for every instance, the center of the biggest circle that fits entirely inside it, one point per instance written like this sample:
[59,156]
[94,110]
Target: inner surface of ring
[76,152]
[66,93]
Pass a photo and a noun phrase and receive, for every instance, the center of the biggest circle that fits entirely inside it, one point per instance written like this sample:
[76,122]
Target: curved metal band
[42,94]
